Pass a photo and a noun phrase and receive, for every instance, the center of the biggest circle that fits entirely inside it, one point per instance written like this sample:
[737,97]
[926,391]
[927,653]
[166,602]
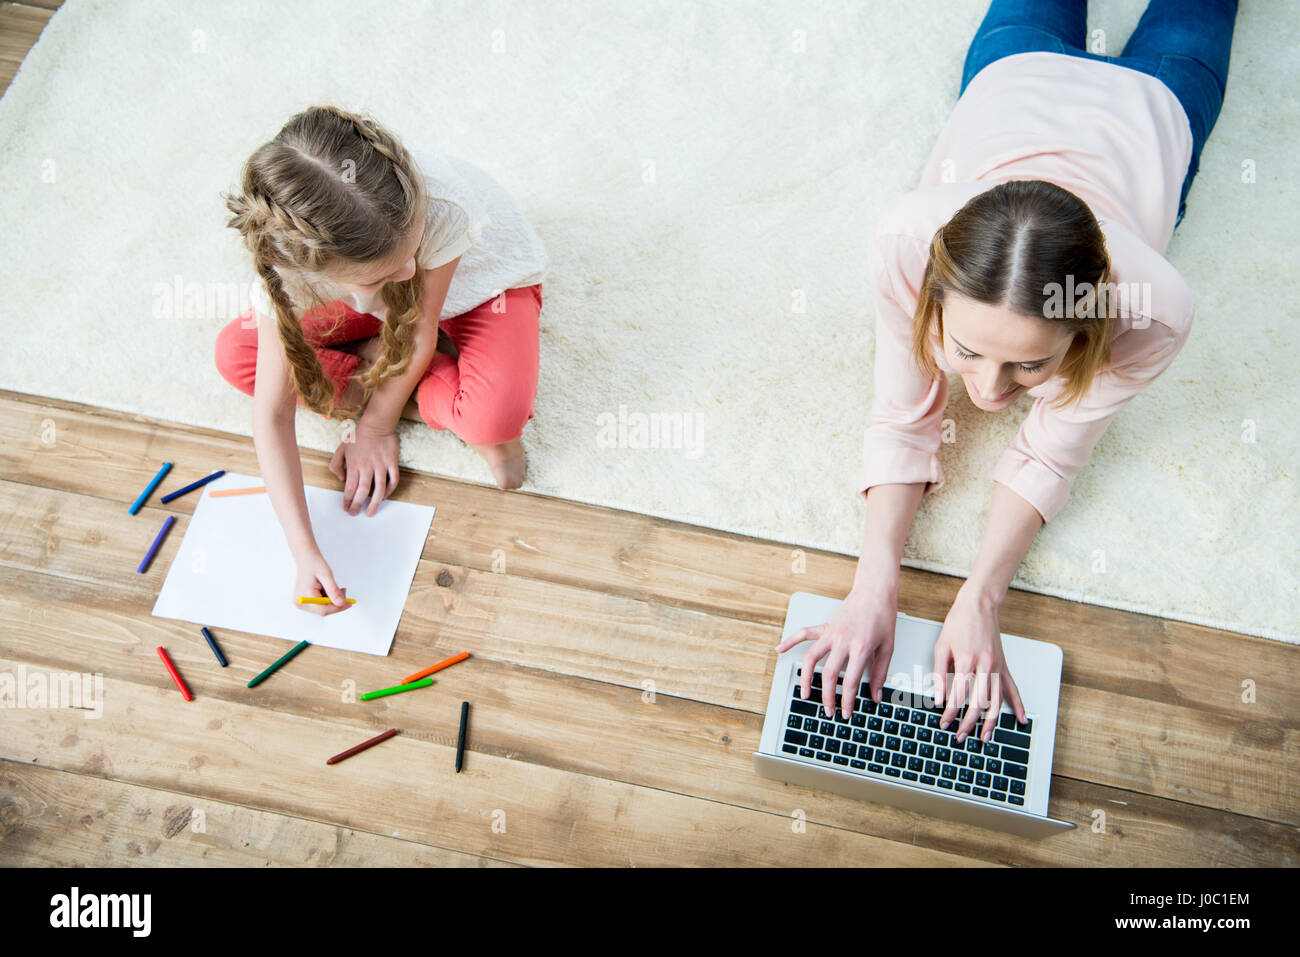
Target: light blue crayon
[150,487]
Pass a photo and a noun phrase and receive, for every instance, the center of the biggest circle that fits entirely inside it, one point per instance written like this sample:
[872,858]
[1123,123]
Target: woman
[1068,172]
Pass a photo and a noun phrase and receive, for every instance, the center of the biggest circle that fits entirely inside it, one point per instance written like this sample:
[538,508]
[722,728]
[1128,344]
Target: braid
[299,218]
[401,299]
[383,143]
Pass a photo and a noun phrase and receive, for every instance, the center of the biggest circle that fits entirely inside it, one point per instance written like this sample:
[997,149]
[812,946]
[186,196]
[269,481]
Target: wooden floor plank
[604,729]
[684,653]
[594,602]
[54,818]
[498,807]
[20,27]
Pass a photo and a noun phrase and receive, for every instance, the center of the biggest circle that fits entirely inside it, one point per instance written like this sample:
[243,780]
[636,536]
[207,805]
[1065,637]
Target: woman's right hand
[315,579]
[861,633]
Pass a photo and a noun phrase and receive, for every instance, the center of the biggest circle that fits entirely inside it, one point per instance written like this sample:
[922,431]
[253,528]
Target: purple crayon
[153,549]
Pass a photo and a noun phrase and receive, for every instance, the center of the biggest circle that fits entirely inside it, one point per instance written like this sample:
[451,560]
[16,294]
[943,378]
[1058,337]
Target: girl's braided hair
[331,189]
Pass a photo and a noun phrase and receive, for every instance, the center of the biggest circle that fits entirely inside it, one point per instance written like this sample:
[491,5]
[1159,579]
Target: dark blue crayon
[153,549]
[148,489]
[192,486]
[212,643]
[460,737]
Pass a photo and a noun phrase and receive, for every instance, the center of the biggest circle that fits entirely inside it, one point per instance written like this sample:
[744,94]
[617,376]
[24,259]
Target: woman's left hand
[369,458]
[972,640]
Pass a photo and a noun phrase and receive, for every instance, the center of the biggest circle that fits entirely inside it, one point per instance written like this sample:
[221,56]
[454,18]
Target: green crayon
[398,689]
[269,671]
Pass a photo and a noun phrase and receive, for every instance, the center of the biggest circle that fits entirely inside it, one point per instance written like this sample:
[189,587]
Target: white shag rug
[704,176]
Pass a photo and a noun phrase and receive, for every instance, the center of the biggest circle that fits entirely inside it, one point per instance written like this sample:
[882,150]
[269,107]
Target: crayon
[176,675]
[158,540]
[237,491]
[192,486]
[438,667]
[317,600]
[460,737]
[212,643]
[397,690]
[279,663]
[148,489]
[361,747]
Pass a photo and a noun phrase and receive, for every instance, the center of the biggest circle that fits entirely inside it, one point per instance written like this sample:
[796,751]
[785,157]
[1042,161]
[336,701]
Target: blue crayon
[192,486]
[150,487]
[212,643]
[153,549]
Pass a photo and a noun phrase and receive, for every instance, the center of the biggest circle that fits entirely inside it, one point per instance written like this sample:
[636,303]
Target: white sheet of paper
[234,568]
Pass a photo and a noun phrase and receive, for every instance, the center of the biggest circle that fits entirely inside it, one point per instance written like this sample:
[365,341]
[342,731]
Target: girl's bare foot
[507,461]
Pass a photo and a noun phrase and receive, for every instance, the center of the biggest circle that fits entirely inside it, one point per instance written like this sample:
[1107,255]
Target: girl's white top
[471,216]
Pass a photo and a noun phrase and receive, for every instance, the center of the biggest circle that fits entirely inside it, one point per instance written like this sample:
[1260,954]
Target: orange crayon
[237,491]
[438,667]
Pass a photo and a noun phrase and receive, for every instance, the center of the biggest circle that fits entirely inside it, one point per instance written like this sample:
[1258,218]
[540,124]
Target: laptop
[896,753]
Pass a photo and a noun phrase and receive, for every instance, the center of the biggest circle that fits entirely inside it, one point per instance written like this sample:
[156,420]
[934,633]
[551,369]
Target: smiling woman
[992,271]
[1056,168]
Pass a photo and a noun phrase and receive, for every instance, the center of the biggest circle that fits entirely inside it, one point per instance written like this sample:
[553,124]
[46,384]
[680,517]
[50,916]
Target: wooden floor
[620,667]
[573,761]
[20,26]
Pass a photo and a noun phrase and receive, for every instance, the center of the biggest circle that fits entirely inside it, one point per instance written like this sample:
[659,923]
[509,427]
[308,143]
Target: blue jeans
[1183,43]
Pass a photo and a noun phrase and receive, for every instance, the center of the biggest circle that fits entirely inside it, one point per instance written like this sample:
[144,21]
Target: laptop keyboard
[900,739]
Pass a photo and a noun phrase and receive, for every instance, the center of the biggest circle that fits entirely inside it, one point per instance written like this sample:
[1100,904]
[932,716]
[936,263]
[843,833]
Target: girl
[382,273]
[1023,289]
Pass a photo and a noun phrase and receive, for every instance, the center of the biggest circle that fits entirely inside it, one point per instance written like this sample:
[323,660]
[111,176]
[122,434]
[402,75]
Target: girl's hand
[370,456]
[860,632]
[972,640]
[315,580]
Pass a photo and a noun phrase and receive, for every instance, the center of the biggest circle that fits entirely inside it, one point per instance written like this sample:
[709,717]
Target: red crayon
[362,746]
[176,675]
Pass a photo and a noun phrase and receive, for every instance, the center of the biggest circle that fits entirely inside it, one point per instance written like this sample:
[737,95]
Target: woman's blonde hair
[1023,246]
[332,189]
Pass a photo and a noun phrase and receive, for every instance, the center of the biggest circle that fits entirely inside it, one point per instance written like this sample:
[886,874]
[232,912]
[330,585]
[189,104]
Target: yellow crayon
[323,601]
